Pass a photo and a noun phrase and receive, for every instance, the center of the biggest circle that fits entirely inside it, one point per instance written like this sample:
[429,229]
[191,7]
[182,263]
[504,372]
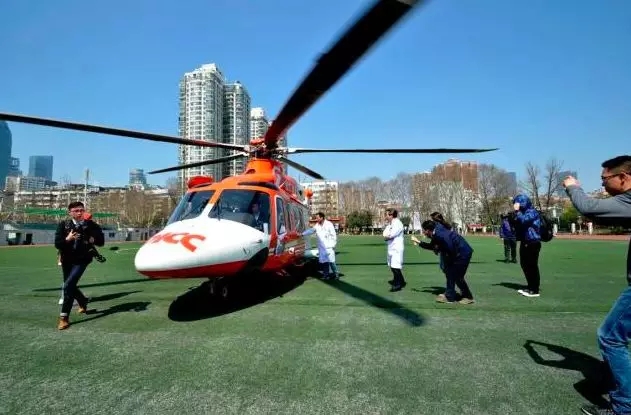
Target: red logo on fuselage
[183,238]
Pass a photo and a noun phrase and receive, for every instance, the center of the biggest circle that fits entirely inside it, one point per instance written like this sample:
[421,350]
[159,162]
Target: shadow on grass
[511,285]
[113,296]
[245,292]
[432,290]
[118,308]
[411,317]
[597,377]
[383,263]
[98,284]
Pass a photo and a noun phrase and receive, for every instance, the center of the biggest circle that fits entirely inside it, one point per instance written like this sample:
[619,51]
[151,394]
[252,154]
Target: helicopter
[253,221]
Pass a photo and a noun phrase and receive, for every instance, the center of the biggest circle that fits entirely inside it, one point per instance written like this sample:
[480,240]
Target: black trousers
[398,276]
[510,249]
[529,261]
[455,274]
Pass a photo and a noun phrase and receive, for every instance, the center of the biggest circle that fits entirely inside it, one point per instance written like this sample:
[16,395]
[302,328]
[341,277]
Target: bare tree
[552,182]
[175,189]
[442,197]
[466,204]
[6,206]
[399,189]
[532,185]
[422,195]
[139,209]
[495,192]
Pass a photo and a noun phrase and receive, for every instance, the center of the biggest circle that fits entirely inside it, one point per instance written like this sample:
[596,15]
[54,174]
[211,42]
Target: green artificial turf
[346,347]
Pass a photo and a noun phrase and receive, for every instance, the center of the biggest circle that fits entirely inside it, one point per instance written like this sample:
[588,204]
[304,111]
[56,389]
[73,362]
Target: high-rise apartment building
[258,122]
[201,117]
[41,166]
[6,144]
[236,124]
[458,171]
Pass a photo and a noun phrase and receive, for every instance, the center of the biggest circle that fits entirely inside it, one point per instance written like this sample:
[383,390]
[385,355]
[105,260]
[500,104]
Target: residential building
[458,171]
[201,116]
[325,197]
[236,124]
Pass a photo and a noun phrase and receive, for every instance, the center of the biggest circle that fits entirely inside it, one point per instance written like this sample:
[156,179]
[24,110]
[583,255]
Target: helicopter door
[281,224]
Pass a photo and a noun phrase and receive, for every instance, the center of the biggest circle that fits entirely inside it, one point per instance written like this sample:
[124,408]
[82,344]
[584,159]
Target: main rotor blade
[338,60]
[388,150]
[300,167]
[69,125]
[201,163]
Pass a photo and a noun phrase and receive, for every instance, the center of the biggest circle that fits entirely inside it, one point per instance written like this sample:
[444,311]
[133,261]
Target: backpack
[546,231]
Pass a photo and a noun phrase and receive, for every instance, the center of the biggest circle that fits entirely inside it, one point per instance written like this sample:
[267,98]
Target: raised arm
[617,207]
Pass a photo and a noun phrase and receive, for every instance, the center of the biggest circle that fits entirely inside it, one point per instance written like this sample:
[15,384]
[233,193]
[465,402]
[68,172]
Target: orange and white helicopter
[253,221]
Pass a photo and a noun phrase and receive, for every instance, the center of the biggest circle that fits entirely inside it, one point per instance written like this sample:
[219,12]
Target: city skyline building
[41,166]
[137,178]
[14,167]
[6,144]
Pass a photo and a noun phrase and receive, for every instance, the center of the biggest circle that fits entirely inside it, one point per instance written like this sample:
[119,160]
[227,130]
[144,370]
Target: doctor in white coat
[393,235]
[327,240]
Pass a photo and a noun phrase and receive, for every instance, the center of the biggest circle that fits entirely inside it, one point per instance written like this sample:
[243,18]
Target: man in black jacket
[75,239]
[614,333]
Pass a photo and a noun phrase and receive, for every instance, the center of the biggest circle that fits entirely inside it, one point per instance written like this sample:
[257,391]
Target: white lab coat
[327,240]
[394,233]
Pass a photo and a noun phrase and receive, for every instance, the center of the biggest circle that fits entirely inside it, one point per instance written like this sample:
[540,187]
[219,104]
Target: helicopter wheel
[218,287]
[224,292]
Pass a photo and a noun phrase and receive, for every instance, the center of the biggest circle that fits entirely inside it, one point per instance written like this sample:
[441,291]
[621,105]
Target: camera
[81,230]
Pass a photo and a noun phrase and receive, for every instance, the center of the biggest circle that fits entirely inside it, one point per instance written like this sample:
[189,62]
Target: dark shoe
[391,282]
[596,410]
[396,287]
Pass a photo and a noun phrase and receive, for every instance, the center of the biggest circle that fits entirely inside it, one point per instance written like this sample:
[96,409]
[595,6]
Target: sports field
[347,347]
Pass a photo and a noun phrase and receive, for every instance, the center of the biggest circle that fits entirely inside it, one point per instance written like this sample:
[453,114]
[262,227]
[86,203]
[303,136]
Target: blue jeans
[613,339]
[72,274]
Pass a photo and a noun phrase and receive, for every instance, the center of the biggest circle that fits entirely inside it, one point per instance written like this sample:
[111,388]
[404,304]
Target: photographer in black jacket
[75,239]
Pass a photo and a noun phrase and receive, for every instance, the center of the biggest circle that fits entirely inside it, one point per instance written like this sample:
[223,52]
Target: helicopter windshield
[191,205]
[249,207]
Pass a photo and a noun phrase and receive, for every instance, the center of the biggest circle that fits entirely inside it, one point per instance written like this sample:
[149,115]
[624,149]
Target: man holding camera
[75,239]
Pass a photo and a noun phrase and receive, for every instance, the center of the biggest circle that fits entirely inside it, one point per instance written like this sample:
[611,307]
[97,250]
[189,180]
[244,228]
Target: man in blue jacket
[457,255]
[615,330]
[527,222]
[507,233]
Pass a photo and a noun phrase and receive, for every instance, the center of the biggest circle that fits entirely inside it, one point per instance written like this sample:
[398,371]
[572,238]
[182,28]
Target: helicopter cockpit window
[250,207]
[191,205]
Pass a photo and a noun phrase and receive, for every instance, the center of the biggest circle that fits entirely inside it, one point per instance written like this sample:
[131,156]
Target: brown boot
[63,323]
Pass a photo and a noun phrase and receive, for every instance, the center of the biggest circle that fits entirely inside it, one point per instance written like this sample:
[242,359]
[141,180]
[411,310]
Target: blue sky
[537,79]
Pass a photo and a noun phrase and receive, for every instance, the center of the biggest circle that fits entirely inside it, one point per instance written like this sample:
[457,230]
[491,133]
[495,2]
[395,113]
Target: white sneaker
[528,293]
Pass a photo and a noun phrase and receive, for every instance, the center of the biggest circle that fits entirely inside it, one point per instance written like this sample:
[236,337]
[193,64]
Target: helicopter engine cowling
[202,247]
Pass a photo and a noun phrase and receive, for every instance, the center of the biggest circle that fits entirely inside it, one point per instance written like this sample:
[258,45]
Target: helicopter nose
[206,249]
